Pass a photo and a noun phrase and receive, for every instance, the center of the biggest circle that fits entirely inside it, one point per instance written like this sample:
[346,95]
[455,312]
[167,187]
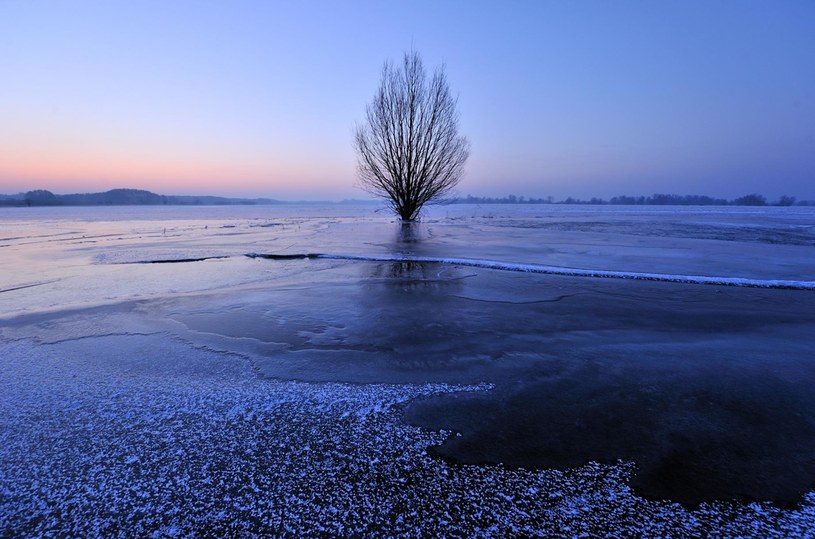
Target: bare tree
[408,149]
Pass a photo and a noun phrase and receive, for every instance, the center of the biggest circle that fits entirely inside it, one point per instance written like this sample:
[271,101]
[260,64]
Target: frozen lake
[493,370]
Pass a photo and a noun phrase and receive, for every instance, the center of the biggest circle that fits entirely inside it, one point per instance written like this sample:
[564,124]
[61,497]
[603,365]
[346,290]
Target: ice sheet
[141,436]
[403,312]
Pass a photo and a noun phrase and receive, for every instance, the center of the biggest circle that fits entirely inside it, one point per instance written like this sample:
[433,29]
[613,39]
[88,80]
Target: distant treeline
[132,197]
[121,197]
[653,200]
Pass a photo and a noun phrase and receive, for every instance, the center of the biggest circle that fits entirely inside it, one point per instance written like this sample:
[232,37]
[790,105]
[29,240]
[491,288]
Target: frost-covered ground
[240,396]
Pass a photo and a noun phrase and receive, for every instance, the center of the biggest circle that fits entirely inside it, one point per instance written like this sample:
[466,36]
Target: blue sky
[557,98]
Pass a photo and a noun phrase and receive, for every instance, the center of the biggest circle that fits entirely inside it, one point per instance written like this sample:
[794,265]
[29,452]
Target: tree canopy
[409,150]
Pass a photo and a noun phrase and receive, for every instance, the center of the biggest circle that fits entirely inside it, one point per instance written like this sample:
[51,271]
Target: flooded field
[492,370]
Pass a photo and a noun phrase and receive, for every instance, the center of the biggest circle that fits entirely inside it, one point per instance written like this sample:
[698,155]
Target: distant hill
[122,197]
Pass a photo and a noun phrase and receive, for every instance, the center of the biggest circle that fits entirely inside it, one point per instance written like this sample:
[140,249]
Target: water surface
[703,389]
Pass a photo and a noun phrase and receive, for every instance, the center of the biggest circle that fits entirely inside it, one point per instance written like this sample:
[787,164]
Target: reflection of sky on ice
[72,249]
[663,364]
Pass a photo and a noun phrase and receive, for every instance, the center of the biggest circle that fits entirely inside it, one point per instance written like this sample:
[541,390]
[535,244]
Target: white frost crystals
[99,440]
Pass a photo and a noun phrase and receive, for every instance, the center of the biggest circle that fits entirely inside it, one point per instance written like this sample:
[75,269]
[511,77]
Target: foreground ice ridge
[555,270]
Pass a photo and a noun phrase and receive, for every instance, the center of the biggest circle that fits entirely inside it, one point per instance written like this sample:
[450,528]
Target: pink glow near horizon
[260,99]
[65,169]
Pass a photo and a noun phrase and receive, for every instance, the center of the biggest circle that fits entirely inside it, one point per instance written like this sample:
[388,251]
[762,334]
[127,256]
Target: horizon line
[783,200]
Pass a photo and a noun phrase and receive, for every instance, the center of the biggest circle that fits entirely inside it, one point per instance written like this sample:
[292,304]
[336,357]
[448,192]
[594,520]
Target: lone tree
[409,151]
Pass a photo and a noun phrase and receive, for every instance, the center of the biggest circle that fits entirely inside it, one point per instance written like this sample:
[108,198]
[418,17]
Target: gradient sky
[260,98]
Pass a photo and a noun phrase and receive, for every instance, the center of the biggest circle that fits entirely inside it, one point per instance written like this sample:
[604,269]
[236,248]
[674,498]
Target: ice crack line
[23,286]
[555,270]
[177,260]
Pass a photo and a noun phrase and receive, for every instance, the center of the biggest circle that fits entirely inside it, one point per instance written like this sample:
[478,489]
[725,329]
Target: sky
[560,99]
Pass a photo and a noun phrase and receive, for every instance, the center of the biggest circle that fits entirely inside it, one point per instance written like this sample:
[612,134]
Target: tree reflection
[407,274]
[409,232]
